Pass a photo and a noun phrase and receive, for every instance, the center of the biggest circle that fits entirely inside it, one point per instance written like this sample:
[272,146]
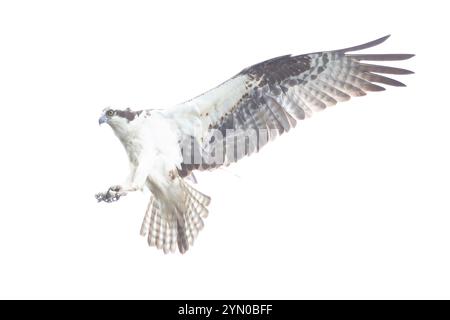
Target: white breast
[158,136]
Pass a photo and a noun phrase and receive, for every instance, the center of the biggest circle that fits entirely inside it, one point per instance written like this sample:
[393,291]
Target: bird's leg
[134,182]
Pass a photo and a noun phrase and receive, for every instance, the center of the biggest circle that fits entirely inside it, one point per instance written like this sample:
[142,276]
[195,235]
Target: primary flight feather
[231,121]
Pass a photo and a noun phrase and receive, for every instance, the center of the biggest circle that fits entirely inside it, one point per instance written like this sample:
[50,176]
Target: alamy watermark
[218,147]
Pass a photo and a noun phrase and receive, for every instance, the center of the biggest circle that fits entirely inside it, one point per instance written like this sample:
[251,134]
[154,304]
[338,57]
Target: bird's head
[117,118]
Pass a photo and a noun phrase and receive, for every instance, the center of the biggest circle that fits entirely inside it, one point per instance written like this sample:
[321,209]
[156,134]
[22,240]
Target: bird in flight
[233,120]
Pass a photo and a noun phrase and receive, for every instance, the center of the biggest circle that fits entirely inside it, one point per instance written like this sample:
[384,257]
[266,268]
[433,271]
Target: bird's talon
[113,194]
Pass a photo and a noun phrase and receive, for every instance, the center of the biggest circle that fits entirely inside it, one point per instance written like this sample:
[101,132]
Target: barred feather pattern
[168,230]
[274,94]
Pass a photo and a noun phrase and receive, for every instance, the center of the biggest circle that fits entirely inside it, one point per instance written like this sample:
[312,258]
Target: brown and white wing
[268,98]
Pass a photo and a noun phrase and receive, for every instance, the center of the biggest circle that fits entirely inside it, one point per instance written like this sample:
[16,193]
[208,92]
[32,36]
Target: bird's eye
[110,113]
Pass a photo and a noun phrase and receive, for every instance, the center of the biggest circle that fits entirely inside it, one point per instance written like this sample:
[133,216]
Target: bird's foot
[113,194]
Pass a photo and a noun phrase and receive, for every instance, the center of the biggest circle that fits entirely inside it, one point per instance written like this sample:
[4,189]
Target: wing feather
[271,96]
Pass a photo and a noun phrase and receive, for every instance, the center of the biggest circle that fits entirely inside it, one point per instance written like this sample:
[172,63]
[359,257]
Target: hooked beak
[102,119]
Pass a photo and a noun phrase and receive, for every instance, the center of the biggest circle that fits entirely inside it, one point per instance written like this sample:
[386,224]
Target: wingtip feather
[366,45]
[380,57]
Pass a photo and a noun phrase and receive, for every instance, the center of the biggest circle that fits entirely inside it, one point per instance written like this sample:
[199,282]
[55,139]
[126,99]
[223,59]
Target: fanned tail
[170,226]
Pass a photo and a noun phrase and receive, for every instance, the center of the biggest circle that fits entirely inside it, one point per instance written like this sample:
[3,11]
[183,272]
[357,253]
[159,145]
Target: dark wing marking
[282,90]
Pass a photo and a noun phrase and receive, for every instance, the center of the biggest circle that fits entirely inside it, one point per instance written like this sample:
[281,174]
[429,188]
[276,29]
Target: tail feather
[201,197]
[183,242]
[159,226]
[168,228]
[194,221]
[152,228]
[197,203]
[146,222]
[173,238]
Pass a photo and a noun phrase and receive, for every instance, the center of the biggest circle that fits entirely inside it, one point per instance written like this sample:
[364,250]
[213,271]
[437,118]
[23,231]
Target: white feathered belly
[160,153]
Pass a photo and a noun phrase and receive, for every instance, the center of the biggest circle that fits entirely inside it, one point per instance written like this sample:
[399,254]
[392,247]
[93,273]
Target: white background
[354,203]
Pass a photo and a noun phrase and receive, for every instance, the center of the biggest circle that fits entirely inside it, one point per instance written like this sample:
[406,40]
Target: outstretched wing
[268,98]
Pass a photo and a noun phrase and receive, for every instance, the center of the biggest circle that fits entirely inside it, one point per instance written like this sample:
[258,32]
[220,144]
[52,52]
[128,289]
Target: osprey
[231,121]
